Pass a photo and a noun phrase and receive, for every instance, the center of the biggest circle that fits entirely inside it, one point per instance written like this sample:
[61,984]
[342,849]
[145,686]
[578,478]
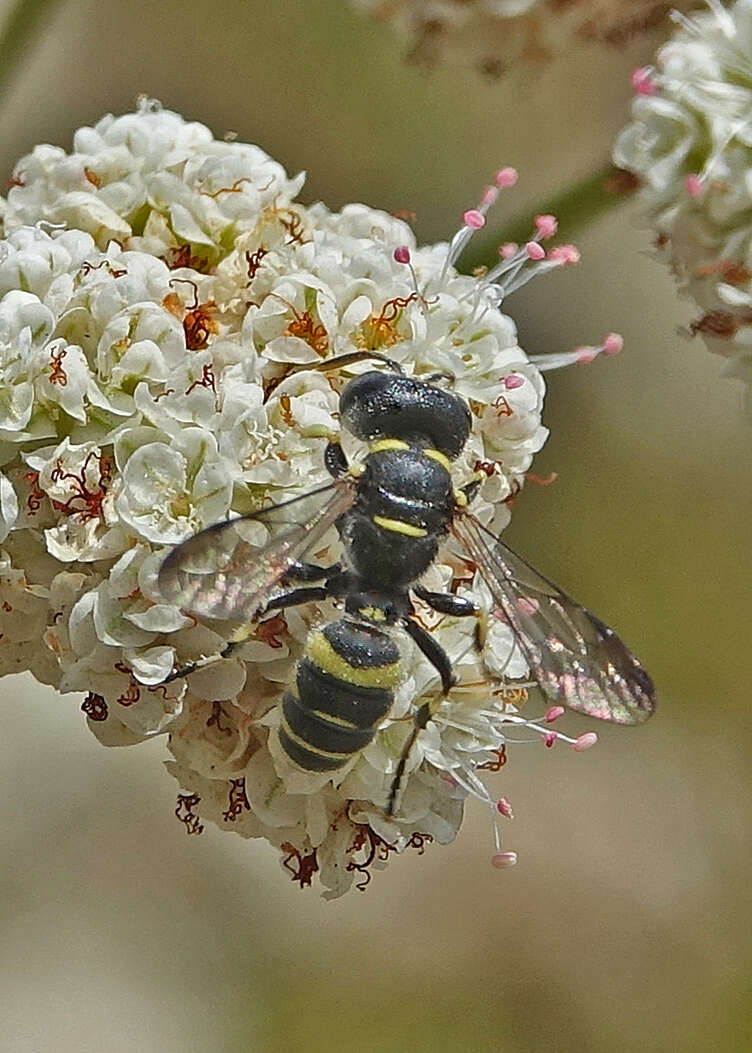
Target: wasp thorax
[380,405]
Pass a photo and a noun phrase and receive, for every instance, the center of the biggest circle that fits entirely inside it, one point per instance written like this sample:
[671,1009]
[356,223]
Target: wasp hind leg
[440,660]
[457,607]
[422,718]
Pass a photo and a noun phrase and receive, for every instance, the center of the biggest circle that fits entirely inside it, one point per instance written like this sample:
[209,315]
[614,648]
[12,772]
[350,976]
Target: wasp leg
[444,603]
[293,598]
[465,494]
[186,670]
[421,720]
[439,659]
[448,603]
[433,651]
[335,460]
[458,607]
[309,572]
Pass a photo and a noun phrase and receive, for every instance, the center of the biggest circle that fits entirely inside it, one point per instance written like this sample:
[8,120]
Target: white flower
[690,145]
[493,35]
[170,487]
[157,287]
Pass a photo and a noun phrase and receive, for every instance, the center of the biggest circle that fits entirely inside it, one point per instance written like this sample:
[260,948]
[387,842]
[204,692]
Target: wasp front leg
[293,598]
[201,663]
[299,571]
[335,459]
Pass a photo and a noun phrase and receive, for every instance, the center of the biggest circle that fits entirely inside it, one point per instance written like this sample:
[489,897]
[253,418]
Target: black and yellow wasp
[391,513]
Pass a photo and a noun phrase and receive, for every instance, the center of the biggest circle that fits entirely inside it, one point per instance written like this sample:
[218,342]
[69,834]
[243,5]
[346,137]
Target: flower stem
[20,30]
[575,208]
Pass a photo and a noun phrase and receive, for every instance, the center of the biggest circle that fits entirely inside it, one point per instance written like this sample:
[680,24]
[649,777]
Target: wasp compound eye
[379,405]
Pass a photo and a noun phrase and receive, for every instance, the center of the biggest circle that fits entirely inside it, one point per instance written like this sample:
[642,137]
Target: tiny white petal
[8,507]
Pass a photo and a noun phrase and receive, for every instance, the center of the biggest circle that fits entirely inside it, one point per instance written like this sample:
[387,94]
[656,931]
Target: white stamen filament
[533,271]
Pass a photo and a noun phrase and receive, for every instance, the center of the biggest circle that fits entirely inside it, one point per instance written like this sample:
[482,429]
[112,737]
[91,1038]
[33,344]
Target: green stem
[575,208]
[19,32]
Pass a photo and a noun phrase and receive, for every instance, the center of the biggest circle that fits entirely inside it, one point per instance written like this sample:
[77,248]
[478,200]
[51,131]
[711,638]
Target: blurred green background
[626,925]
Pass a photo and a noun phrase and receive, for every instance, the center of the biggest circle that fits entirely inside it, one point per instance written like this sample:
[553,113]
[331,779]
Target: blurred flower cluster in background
[498,36]
[622,927]
[690,146]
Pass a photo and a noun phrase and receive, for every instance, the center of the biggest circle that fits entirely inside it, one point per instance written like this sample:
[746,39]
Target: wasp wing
[231,569]
[576,659]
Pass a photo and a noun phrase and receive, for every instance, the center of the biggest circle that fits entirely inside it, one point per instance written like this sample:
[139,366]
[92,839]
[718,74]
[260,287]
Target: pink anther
[508,249]
[613,343]
[490,195]
[694,184]
[585,742]
[474,219]
[504,808]
[535,251]
[642,81]
[564,254]
[402,254]
[546,226]
[549,739]
[554,713]
[506,177]
[514,380]
[504,860]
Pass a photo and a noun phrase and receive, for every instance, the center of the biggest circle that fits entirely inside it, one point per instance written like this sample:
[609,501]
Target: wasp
[392,512]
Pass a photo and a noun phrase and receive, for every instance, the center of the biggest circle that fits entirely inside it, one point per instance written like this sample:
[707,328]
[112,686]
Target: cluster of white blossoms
[161,295]
[690,146]
[494,35]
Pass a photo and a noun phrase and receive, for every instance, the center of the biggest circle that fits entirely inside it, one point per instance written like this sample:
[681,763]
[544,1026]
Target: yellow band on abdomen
[324,657]
[329,718]
[327,754]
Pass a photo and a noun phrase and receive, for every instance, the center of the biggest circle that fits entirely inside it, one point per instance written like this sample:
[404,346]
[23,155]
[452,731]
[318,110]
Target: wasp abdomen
[344,688]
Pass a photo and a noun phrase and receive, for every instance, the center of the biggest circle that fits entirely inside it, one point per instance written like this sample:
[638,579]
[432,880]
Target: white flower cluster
[690,146]
[494,35]
[161,294]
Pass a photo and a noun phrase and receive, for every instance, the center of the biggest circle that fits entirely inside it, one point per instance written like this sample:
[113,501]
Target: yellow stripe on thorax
[398,527]
[323,655]
[380,445]
[440,458]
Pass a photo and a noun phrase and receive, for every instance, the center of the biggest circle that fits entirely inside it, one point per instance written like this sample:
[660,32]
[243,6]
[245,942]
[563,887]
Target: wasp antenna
[433,378]
[347,359]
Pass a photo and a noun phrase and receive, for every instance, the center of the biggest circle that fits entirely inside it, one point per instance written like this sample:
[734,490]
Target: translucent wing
[576,659]
[229,570]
